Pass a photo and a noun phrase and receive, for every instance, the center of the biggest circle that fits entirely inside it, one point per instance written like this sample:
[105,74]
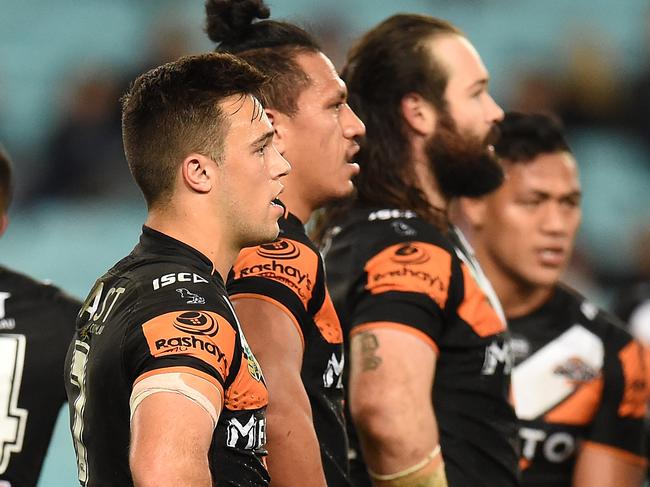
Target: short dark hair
[271,46]
[173,110]
[387,63]
[6,181]
[526,136]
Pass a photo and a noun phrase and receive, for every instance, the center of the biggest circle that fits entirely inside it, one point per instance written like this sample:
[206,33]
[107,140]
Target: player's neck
[519,299]
[296,203]
[428,183]
[204,235]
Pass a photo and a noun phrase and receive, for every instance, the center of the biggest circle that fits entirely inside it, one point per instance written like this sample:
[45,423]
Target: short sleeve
[408,284]
[285,271]
[619,420]
[196,341]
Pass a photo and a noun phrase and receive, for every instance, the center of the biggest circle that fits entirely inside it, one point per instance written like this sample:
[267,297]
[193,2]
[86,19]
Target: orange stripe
[623,455]
[277,304]
[635,393]
[399,327]
[524,463]
[579,408]
[182,370]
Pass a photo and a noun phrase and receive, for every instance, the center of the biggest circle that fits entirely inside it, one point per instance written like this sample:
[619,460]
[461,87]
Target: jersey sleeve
[618,425]
[186,333]
[284,272]
[406,284]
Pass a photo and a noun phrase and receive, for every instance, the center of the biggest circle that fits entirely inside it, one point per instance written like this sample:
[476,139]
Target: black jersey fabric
[289,272]
[162,309]
[36,324]
[579,377]
[388,265]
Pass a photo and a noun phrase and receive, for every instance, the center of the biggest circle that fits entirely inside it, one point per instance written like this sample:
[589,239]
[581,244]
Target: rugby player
[279,289]
[578,380]
[163,388]
[430,357]
[36,324]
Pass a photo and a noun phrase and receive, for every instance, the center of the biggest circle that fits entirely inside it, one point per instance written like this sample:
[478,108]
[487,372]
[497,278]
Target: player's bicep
[272,333]
[193,385]
[171,429]
[602,466]
[391,379]
[391,360]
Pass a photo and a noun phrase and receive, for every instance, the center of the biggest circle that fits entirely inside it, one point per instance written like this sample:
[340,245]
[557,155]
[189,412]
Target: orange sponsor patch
[248,390]
[411,267]
[286,261]
[476,309]
[635,395]
[580,408]
[328,322]
[204,335]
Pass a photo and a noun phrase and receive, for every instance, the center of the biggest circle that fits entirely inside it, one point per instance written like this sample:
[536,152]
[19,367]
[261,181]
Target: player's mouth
[276,204]
[551,256]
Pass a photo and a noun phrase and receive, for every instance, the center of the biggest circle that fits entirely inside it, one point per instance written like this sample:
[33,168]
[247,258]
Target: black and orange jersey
[391,266]
[289,273]
[36,325]
[578,377]
[162,309]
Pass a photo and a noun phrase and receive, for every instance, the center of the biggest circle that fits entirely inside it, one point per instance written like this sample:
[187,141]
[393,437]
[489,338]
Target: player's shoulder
[372,230]
[585,313]
[22,286]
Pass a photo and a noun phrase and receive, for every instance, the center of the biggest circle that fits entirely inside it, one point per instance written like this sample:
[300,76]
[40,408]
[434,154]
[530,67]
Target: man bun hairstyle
[242,27]
[174,110]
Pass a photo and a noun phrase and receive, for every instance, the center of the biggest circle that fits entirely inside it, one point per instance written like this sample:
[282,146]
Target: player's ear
[472,211]
[4,222]
[418,113]
[198,172]
[280,123]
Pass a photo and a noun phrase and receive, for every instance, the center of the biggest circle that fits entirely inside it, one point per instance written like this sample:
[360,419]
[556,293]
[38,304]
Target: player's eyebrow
[263,139]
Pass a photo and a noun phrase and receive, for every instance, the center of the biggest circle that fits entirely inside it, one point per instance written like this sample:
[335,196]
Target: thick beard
[464,165]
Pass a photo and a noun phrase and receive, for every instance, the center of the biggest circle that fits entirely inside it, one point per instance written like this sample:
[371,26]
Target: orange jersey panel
[635,394]
[327,321]
[580,408]
[411,267]
[204,335]
[286,261]
[476,309]
[247,390]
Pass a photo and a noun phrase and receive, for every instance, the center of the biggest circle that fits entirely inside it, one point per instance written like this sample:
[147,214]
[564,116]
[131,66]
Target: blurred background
[65,63]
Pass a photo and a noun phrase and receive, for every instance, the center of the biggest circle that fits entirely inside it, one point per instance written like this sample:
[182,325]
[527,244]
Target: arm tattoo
[369,345]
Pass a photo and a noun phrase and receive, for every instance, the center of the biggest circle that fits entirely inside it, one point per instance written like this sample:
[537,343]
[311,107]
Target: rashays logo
[196,323]
[410,254]
[280,249]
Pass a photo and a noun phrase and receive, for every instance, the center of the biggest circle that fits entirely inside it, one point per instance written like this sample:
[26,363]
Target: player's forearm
[294,454]
[393,439]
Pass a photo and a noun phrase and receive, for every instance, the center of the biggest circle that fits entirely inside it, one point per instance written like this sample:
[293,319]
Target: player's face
[321,137]
[250,173]
[460,150]
[470,105]
[530,222]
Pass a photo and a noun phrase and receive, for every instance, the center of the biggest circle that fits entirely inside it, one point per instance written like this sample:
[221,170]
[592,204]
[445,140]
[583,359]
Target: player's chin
[545,277]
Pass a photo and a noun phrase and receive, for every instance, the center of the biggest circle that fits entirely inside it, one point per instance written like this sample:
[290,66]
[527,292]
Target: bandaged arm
[173,416]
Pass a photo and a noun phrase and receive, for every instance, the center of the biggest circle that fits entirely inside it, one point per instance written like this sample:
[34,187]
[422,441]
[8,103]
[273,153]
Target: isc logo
[168,279]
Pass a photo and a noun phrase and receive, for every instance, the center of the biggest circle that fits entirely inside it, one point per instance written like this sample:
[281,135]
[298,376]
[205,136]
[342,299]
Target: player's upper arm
[601,466]
[392,369]
[613,452]
[273,334]
[173,416]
